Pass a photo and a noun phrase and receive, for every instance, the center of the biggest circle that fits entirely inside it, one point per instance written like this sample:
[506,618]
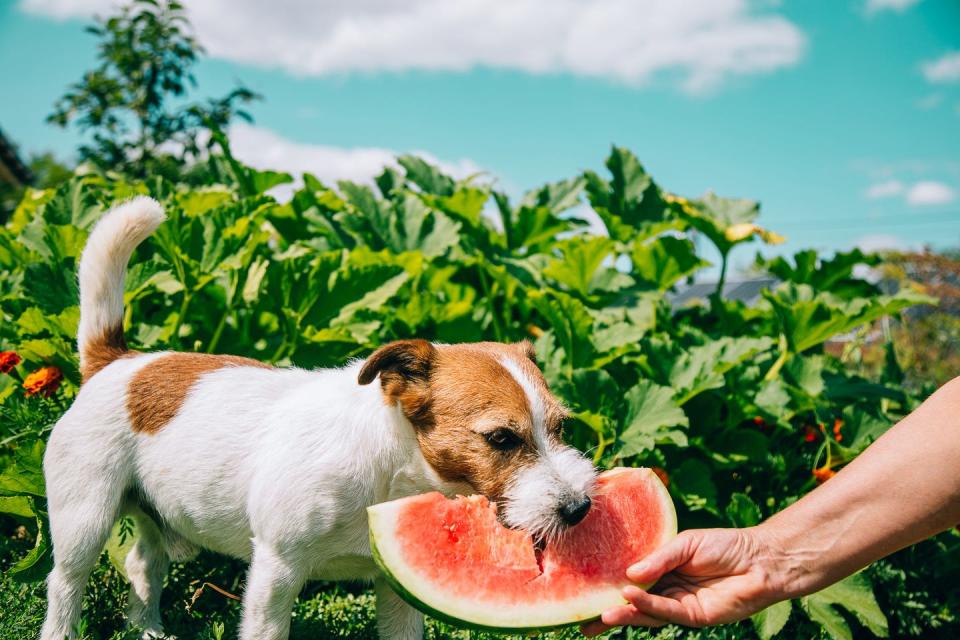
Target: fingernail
[631,592]
[637,570]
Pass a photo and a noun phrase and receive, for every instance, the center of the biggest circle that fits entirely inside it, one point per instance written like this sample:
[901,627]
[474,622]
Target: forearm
[902,489]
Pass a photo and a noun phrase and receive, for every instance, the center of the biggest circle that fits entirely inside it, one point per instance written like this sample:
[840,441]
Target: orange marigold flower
[45,380]
[837,425]
[662,474]
[8,360]
[823,474]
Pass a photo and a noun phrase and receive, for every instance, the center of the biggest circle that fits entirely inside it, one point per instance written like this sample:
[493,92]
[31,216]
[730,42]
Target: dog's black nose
[575,510]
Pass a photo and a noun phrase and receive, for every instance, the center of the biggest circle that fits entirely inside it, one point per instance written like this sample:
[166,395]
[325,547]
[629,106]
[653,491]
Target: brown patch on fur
[455,394]
[100,352]
[157,391]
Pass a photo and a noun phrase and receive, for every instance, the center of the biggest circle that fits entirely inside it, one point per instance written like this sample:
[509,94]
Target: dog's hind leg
[273,583]
[146,565]
[82,511]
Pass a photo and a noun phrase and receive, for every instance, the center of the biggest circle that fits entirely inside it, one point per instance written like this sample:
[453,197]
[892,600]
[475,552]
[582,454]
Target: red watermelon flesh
[453,558]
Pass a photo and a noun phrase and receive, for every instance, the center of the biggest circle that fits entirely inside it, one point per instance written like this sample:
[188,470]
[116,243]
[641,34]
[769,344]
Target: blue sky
[842,118]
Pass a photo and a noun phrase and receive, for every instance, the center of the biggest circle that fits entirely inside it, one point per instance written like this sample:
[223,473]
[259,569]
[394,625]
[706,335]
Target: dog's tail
[102,268]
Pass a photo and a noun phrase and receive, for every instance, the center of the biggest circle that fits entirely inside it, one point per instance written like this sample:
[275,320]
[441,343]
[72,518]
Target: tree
[133,103]
[928,339]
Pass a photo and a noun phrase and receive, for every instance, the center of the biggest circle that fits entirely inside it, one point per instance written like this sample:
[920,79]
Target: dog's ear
[403,361]
[404,369]
[527,349]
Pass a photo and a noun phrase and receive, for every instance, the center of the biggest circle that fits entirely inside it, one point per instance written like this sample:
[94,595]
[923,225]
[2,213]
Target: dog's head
[483,415]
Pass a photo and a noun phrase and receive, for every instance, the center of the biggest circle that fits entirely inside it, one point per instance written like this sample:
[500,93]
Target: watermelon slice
[453,560]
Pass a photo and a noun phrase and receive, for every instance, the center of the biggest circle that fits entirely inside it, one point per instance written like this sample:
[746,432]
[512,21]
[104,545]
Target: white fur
[104,264]
[560,474]
[275,466]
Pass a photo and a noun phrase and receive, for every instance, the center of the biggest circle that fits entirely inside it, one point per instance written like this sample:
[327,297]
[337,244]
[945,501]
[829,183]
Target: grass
[324,610]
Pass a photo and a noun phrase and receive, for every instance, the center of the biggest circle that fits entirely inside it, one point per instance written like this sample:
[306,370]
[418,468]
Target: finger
[665,559]
[660,607]
[594,628]
[628,615]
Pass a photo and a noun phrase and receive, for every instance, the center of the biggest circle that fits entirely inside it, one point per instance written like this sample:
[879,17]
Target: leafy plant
[731,403]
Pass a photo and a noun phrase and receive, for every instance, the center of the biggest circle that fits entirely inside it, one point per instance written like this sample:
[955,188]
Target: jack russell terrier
[277,466]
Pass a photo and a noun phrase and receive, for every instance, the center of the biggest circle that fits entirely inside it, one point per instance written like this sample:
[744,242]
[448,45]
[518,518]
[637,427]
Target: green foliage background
[728,399]
[738,405]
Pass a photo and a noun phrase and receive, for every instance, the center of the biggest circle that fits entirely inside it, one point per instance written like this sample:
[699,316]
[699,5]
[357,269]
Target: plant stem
[784,356]
[218,331]
[498,334]
[184,304]
[723,275]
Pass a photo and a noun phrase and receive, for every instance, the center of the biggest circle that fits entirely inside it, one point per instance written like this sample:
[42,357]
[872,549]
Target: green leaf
[651,418]
[255,276]
[263,181]
[582,270]
[808,318]
[771,621]
[37,563]
[774,399]
[374,299]
[119,545]
[742,511]
[629,200]
[737,446]
[426,176]
[806,373]
[18,506]
[855,594]
[661,262]
[555,197]
[571,323]
[693,482]
[860,429]
[726,221]
[834,274]
[422,229]
[623,327]
[703,367]
[33,321]
[24,474]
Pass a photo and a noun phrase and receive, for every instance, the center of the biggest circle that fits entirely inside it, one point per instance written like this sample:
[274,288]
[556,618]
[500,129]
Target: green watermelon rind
[477,623]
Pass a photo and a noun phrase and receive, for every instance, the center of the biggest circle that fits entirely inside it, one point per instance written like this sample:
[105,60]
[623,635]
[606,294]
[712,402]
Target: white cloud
[700,43]
[943,70]
[917,194]
[875,6]
[263,149]
[928,193]
[879,242]
[885,189]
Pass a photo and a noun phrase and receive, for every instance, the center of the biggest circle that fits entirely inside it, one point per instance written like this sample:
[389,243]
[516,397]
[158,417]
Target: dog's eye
[503,439]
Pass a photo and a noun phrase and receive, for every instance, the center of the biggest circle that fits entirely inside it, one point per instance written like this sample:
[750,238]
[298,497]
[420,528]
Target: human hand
[703,577]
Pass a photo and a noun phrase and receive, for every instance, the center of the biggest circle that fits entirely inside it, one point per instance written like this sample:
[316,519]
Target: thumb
[664,560]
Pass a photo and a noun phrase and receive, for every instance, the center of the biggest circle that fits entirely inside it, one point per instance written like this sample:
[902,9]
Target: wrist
[785,574]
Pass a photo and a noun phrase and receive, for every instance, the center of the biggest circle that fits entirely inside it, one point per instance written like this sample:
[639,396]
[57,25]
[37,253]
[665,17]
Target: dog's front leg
[396,620]
[273,583]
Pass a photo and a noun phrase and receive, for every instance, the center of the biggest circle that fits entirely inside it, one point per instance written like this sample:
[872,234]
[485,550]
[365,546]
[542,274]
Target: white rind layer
[495,614]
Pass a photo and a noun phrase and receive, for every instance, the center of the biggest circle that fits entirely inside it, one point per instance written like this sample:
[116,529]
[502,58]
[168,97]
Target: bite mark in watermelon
[453,560]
